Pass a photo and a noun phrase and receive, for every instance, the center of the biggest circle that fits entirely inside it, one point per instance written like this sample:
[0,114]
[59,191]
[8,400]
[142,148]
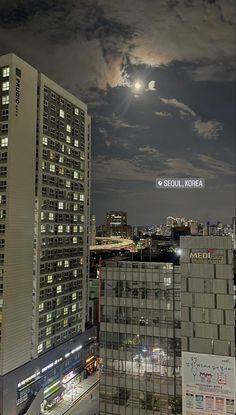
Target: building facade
[140,339]
[168,332]
[116,224]
[45,135]
[207,325]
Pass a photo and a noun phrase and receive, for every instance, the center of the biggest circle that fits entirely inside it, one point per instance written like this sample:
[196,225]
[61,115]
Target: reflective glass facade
[140,344]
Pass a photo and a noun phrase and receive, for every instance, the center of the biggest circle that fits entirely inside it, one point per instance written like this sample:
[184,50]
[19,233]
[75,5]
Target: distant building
[194,227]
[170,221]
[116,224]
[178,231]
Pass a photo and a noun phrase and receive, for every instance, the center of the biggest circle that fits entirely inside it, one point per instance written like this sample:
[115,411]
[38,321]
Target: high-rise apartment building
[140,346]
[44,229]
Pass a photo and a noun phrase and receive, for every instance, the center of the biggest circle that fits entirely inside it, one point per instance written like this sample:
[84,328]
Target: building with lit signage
[44,225]
[116,224]
[140,335]
[163,326]
[207,325]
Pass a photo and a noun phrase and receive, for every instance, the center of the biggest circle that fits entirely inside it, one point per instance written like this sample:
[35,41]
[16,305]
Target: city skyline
[178,123]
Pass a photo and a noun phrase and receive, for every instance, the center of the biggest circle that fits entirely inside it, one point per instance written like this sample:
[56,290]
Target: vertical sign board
[208,384]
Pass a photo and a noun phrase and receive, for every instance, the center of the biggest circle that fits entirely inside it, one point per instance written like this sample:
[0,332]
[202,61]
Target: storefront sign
[208,384]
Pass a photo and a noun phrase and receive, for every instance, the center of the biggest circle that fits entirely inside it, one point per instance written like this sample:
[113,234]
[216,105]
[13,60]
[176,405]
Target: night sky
[179,124]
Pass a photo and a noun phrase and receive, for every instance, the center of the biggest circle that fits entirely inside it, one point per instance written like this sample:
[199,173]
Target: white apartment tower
[44,219]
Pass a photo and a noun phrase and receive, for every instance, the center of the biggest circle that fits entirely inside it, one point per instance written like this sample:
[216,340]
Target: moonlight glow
[137,85]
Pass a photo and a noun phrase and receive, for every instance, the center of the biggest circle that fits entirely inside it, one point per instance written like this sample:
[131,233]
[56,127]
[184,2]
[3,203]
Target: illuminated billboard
[208,384]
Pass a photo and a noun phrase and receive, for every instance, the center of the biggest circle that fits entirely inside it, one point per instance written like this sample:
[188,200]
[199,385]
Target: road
[86,406]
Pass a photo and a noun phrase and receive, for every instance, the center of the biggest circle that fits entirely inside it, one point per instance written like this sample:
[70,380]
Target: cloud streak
[209,130]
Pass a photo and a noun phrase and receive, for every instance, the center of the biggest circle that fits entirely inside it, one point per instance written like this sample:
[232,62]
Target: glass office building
[140,347]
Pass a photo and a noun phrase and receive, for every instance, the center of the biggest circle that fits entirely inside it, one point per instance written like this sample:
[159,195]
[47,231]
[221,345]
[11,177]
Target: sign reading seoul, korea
[207,256]
[208,384]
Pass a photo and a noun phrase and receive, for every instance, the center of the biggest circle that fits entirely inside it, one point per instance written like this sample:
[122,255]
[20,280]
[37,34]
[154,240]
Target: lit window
[41,306]
[5,100]
[81,198]
[68,228]
[68,150]
[48,317]
[73,296]
[60,228]
[81,261]
[45,141]
[73,308]
[66,264]
[61,170]
[76,175]
[75,272]
[82,218]
[75,228]
[61,159]
[167,281]
[62,113]
[75,196]
[81,228]
[65,311]
[40,347]
[43,165]
[4,142]
[67,183]
[59,263]
[75,207]
[52,168]
[6,72]
[74,240]
[5,86]
[59,289]
[65,322]
[43,228]
[75,218]
[68,140]
[42,215]
[68,127]
[48,330]
[49,279]
[51,216]
[48,343]
[76,111]
[60,205]
[76,143]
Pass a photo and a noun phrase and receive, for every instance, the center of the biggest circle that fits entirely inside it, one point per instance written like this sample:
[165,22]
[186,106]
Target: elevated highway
[113,243]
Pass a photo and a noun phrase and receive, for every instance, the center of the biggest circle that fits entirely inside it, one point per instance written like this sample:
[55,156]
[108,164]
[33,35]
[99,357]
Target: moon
[152,86]
[137,85]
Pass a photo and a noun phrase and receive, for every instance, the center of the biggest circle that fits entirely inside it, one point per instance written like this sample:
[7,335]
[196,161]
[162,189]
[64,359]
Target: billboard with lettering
[208,384]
